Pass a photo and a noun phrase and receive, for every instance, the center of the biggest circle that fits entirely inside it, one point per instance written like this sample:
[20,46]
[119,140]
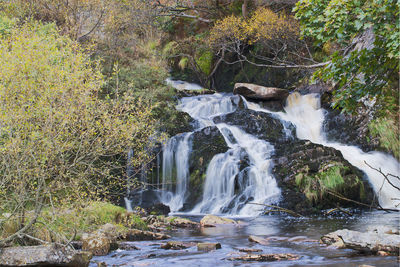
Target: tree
[361,69]
[266,39]
[59,142]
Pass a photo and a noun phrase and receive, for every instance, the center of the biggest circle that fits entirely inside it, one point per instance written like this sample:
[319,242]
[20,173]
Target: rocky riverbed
[286,241]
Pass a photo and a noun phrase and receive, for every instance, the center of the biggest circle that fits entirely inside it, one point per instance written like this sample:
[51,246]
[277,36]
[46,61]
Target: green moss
[204,61]
[330,177]
[183,63]
[387,132]
[71,223]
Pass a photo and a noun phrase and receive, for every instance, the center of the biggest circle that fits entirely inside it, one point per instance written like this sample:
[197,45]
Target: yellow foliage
[230,29]
[57,137]
[267,25]
[263,25]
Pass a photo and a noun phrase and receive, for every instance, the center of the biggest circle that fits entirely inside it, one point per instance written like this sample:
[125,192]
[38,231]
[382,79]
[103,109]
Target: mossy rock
[310,174]
[263,125]
[206,143]
[181,122]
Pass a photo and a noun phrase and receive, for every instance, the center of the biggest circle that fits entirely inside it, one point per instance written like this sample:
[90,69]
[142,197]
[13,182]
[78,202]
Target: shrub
[60,142]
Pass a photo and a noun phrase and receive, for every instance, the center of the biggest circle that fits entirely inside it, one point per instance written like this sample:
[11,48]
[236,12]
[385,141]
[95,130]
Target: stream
[229,187]
[281,226]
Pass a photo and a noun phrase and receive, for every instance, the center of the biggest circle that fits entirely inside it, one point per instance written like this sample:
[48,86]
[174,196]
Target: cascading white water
[255,183]
[204,107]
[176,154]
[305,113]
[227,189]
[182,85]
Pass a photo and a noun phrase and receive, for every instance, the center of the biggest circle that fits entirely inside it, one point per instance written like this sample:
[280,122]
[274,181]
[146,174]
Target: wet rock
[47,255]
[265,257]
[127,246]
[301,239]
[277,238]
[258,92]
[158,209]
[206,143]
[263,125]
[208,246]
[272,105]
[367,242]
[102,241]
[302,168]
[182,222]
[332,240]
[259,240]
[102,264]
[182,123]
[186,93]
[350,129]
[177,245]
[139,235]
[250,250]
[212,221]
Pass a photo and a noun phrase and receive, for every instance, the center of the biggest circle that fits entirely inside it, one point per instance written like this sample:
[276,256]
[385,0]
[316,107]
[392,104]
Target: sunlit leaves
[55,128]
[365,71]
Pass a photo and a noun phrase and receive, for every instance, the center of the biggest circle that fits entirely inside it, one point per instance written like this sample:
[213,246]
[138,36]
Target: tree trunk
[244,8]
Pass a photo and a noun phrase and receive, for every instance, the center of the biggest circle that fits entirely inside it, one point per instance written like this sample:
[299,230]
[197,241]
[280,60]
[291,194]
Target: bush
[60,142]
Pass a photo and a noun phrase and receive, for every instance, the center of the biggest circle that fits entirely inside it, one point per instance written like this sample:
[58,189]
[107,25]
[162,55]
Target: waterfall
[227,189]
[203,108]
[305,113]
[175,170]
[129,176]
[255,183]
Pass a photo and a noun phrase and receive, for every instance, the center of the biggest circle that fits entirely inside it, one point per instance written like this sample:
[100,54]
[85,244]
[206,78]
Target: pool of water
[234,237]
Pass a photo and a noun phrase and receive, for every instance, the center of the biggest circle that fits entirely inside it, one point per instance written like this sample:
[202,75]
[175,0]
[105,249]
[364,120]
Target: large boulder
[258,92]
[263,125]
[308,173]
[351,129]
[46,255]
[102,241]
[105,239]
[366,242]
[212,221]
[206,143]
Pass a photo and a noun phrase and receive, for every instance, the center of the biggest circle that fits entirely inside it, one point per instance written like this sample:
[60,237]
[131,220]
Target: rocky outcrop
[47,255]
[180,123]
[366,242]
[307,173]
[351,129]
[258,92]
[205,145]
[263,125]
[212,221]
